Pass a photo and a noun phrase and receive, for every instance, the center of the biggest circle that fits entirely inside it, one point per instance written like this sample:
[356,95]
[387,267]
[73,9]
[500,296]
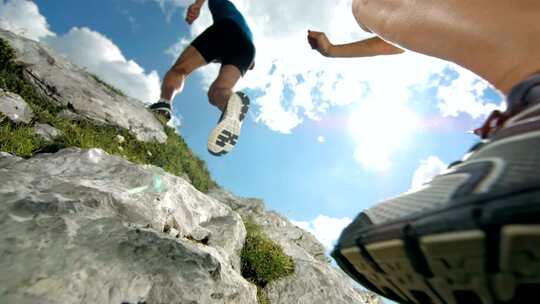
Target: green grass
[21,140]
[107,86]
[262,297]
[263,261]
[174,156]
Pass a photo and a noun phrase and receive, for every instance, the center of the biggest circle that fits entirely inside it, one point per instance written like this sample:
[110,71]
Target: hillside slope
[100,202]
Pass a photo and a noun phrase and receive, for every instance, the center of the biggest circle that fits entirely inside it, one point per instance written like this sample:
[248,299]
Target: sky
[324,139]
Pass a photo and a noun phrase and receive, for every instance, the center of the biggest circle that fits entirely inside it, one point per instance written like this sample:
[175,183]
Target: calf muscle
[474,34]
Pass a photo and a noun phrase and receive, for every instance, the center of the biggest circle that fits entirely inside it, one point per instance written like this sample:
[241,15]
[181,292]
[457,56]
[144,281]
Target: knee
[181,69]
[214,95]
[218,96]
[358,7]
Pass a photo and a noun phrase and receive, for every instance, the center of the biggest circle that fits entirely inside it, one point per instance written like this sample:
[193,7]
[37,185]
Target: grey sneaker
[472,234]
[225,135]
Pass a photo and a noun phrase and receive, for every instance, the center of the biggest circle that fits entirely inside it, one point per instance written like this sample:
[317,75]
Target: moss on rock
[263,261]
[174,156]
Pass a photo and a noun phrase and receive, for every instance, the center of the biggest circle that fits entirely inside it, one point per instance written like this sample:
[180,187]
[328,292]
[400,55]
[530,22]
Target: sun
[379,129]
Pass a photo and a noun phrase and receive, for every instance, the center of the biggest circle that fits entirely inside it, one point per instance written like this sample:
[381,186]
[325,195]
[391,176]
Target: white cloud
[100,56]
[84,47]
[428,169]
[294,83]
[169,7]
[321,139]
[176,122]
[465,94]
[132,21]
[177,48]
[325,229]
[285,62]
[23,18]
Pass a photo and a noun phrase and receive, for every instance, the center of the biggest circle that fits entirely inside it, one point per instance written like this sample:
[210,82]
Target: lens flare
[379,130]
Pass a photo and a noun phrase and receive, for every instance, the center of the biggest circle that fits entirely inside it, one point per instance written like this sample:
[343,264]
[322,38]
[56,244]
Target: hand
[320,42]
[193,13]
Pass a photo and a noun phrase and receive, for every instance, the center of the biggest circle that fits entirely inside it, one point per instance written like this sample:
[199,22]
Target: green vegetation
[263,261]
[174,156]
[262,297]
[21,140]
[108,86]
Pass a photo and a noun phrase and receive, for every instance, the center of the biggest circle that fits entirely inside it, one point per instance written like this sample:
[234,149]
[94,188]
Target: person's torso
[224,9]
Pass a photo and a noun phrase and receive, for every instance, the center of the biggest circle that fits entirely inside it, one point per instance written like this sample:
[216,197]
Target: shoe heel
[245,105]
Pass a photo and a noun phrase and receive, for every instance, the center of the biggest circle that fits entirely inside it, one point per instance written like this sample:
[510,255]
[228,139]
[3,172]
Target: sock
[166,101]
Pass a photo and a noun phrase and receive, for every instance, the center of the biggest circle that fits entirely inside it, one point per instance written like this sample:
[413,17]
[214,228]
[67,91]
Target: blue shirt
[224,9]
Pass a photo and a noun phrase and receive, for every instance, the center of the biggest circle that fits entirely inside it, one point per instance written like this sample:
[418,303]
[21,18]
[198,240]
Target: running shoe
[162,108]
[225,135]
[472,234]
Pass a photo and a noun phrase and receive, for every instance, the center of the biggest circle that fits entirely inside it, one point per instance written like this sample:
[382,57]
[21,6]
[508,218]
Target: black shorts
[225,42]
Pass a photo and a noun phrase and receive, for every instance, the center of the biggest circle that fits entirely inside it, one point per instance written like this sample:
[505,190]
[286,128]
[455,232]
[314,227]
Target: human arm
[194,11]
[363,48]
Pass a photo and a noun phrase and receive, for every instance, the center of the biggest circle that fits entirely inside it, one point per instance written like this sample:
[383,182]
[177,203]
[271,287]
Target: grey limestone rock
[315,280]
[70,115]
[81,226]
[47,132]
[62,83]
[15,108]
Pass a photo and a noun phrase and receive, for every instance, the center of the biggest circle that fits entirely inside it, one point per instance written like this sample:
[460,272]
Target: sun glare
[379,130]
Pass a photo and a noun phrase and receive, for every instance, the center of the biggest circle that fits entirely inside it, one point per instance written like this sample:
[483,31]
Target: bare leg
[496,39]
[173,83]
[221,90]
[225,135]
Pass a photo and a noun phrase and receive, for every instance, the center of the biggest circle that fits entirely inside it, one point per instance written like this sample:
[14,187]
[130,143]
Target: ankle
[164,100]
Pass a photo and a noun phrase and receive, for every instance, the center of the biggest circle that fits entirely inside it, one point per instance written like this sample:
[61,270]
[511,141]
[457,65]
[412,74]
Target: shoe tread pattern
[458,265]
[226,135]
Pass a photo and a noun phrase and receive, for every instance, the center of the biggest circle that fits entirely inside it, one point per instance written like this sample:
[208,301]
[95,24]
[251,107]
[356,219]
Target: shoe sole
[225,135]
[163,112]
[483,251]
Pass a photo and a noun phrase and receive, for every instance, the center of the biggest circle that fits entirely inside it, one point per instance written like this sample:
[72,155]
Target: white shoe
[225,135]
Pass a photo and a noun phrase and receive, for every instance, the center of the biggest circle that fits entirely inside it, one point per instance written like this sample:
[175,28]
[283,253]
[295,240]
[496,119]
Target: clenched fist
[320,42]
[193,13]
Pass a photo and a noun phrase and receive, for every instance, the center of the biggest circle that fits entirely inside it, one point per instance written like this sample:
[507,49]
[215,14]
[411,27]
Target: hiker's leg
[221,90]
[234,107]
[189,61]
[494,39]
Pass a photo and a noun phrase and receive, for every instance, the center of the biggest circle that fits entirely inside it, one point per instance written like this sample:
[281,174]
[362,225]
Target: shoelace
[493,123]
[497,119]
[524,94]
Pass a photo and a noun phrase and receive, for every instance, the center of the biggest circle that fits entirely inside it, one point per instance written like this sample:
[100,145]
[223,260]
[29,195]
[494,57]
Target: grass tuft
[263,261]
[21,140]
[262,297]
[107,86]
[174,156]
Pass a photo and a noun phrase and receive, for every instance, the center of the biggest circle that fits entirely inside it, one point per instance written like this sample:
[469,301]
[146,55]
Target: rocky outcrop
[15,108]
[47,132]
[86,227]
[64,84]
[315,280]
[82,226]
